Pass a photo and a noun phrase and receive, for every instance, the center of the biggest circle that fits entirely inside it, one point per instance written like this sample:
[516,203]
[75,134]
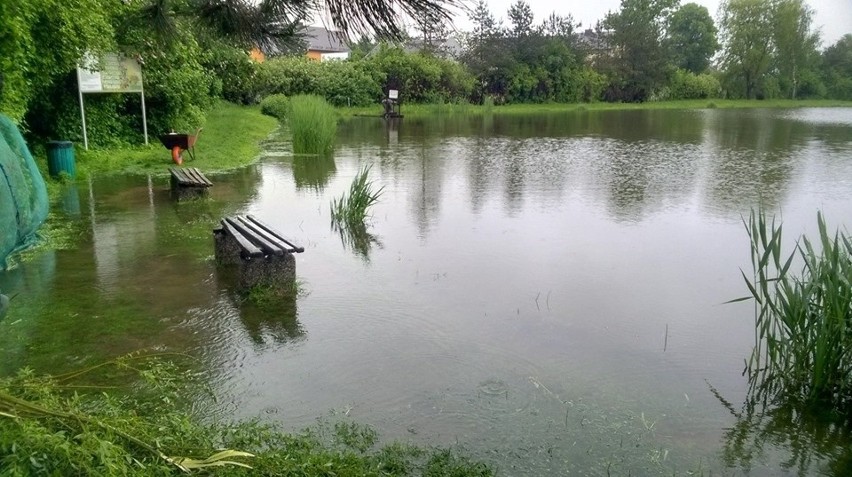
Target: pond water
[545,291]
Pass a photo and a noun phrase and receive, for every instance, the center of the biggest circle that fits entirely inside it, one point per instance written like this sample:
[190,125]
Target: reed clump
[803,348]
[313,124]
[350,210]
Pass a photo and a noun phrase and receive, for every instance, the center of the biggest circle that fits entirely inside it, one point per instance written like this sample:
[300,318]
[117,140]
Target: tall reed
[313,124]
[803,348]
[350,210]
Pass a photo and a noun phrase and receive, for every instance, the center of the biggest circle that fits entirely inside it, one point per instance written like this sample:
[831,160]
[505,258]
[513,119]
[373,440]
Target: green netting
[23,194]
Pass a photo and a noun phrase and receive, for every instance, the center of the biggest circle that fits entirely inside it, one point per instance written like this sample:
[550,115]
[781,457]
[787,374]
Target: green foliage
[351,210]
[61,425]
[275,105]
[42,42]
[421,77]
[639,62]
[692,38]
[837,61]
[688,85]
[234,72]
[341,83]
[803,349]
[313,124]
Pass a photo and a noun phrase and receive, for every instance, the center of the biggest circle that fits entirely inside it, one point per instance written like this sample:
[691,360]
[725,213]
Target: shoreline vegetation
[232,133]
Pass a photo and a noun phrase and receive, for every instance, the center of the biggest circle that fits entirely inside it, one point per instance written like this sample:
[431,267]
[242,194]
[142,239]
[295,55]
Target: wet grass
[415,110]
[350,210]
[230,139]
[803,344]
[61,425]
[313,124]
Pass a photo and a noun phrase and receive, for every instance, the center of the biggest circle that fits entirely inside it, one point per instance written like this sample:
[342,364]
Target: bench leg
[226,248]
[277,272]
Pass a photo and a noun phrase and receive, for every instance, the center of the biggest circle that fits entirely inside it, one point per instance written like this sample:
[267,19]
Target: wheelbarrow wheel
[176,155]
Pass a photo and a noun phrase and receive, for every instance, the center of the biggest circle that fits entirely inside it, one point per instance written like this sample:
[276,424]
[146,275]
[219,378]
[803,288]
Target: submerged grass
[350,210]
[803,349]
[313,124]
[54,425]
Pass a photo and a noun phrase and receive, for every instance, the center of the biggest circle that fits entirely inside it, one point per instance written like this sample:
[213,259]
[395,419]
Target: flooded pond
[545,291]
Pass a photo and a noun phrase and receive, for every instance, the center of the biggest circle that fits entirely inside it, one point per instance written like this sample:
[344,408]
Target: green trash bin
[60,158]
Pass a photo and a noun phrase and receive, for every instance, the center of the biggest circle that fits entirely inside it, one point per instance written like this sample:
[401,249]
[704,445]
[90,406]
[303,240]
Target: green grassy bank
[230,139]
[452,108]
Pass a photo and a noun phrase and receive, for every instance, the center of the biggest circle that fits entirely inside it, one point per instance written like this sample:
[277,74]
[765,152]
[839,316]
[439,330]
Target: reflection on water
[544,289]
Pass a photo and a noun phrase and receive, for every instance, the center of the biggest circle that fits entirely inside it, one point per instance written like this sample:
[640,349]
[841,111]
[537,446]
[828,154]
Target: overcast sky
[833,17]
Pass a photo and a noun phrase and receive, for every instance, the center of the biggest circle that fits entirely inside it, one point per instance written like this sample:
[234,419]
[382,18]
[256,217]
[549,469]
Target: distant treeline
[647,50]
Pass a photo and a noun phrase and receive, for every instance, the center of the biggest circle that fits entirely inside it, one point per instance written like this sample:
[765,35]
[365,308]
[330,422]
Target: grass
[803,348]
[62,425]
[415,110]
[351,210]
[313,124]
[230,139]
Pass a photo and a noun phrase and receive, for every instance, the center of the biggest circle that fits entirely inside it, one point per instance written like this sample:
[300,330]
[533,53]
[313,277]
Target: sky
[833,17]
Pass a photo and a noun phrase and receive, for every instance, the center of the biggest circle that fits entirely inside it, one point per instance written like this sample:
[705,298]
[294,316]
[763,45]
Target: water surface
[545,291]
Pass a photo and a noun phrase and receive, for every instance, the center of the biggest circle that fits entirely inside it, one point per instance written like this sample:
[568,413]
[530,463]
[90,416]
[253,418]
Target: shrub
[275,105]
[688,85]
[313,124]
[234,71]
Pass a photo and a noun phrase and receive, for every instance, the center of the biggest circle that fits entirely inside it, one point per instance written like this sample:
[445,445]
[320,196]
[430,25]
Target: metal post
[144,118]
[82,111]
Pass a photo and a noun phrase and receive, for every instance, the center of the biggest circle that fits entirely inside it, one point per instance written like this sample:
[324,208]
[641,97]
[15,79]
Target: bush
[313,124]
[275,105]
[687,85]
[341,83]
[234,72]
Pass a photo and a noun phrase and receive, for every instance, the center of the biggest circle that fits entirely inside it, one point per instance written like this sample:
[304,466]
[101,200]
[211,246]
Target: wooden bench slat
[190,176]
[259,241]
[247,246]
[198,178]
[280,246]
[266,228]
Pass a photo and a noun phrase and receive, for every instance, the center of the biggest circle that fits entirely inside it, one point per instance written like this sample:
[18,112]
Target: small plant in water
[803,349]
[350,210]
[313,124]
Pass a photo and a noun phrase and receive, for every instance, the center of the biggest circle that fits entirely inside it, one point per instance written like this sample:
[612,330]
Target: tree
[434,31]
[795,42]
[558,26]
[692,38]
[837,64]
[521,17]
[639,60]
[746,27]
[276,22]
[484,24]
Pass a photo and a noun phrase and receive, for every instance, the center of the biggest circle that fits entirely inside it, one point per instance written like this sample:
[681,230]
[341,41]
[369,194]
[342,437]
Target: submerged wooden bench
[263,255]
[188,182]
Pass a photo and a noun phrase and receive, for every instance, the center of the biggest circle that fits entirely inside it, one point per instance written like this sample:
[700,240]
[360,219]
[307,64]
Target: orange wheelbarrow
[177,143]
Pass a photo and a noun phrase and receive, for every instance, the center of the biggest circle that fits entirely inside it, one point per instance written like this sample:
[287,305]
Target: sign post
[112,74]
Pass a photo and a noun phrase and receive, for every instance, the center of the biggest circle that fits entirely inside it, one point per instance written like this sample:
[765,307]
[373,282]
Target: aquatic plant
[803,341]
[58,425]
[313,124]
[351,210]
[44,429]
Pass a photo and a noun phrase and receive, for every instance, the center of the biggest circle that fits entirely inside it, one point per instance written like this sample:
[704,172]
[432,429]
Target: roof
[323,40]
